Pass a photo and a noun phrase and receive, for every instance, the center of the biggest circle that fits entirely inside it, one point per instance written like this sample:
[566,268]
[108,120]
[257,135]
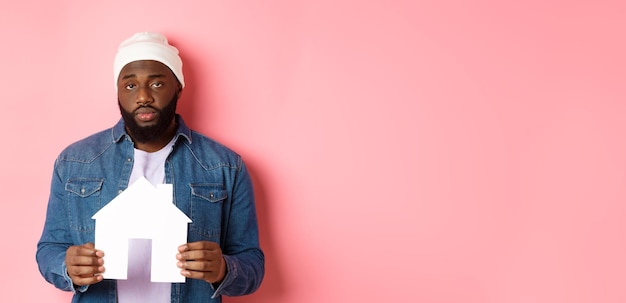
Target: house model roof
[143,203]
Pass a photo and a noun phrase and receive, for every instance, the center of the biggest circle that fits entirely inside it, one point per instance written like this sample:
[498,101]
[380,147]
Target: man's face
[147,93]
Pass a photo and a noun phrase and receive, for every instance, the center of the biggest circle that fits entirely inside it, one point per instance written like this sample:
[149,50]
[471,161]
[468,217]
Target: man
[211,186]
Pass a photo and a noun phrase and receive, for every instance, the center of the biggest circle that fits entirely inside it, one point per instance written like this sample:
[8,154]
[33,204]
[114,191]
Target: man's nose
[144,96]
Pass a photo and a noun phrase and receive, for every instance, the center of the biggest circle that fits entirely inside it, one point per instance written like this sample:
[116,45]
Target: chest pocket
[207,201]
[83,201]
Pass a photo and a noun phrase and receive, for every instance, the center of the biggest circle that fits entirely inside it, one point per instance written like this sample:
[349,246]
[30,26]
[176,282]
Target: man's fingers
[85,275]
[84,264]
[201,260]
[209,276]
[205,266]
[200,245]
[84,250]
[89,245]
[88,249]
[86,280]
[84,261]
[84,271]
[199,255]
[202,250]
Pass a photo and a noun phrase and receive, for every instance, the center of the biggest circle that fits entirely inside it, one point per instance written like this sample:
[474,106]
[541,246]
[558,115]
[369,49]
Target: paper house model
[142,211]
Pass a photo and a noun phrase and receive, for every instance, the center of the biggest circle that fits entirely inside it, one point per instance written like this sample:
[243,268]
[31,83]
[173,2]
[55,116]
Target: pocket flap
[84,187]
[210,192]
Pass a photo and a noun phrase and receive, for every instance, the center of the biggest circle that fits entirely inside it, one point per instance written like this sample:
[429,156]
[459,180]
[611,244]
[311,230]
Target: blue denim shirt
[211,186]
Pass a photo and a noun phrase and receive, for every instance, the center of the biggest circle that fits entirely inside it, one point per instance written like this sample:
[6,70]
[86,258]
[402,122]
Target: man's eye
[130,86]
[157,84]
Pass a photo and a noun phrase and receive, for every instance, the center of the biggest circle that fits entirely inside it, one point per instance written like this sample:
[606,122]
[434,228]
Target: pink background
[402,151]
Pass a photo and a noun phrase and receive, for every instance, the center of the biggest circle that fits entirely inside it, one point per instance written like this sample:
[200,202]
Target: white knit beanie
[148,46]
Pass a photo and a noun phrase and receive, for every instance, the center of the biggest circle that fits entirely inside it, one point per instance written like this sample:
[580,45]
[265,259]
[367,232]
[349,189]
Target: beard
[145,134]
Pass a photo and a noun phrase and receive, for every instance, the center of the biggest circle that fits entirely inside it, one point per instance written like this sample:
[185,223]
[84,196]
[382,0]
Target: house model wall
[142,211]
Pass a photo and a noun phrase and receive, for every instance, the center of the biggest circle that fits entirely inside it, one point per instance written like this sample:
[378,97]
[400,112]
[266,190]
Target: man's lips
[145,114]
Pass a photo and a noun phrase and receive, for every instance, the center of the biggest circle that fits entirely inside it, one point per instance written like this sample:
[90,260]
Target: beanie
[148,46]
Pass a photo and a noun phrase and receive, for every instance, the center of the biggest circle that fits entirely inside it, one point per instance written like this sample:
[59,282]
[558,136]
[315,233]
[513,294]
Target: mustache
[142,106]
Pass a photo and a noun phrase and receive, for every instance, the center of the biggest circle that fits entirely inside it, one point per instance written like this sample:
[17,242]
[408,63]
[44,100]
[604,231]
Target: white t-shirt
[138,288]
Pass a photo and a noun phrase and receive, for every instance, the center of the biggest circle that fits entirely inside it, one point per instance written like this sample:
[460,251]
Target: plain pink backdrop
[402,151]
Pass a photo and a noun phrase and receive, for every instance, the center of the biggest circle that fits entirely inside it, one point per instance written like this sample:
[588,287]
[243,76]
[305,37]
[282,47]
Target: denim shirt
[211,186]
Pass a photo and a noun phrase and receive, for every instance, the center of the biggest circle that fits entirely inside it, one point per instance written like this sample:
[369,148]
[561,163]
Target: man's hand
[202,260]
[84,264]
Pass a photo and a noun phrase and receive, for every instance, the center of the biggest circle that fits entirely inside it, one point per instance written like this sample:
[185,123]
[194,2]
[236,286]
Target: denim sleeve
[55,239]
[240,244]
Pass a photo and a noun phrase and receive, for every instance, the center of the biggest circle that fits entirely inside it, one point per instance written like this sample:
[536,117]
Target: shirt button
[82,190]
[119,191]
[128,160]
[211,195]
